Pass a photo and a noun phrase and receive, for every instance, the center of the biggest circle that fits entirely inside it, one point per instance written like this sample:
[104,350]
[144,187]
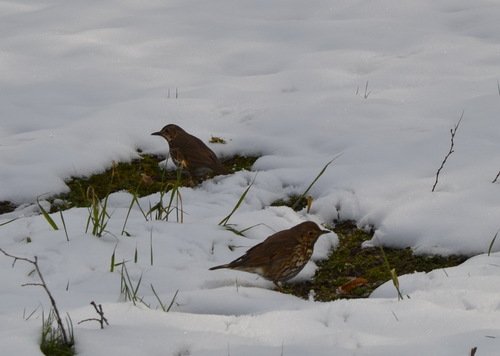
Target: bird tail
[218,267]
[220,169]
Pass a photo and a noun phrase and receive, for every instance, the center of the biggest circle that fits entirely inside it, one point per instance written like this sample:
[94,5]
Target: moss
[291,201]
[132,176]
[349,260]
[57,349]
[239,163]
[6,207]
[141,176]
[215,139]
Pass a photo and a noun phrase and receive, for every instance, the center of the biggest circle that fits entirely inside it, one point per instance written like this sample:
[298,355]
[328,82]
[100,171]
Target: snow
[85,83]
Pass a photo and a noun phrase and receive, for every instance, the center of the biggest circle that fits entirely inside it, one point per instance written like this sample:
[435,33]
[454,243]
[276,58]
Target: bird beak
[325,232]
[158,133]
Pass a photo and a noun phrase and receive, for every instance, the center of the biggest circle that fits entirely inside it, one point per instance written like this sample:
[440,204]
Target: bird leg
[279,286]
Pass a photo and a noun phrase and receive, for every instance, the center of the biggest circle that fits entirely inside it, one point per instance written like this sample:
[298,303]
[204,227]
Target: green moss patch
[349,261]
[295,201]
[142,176]
[6,207]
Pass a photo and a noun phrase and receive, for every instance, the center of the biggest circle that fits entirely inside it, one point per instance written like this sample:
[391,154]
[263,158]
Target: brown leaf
[346,288]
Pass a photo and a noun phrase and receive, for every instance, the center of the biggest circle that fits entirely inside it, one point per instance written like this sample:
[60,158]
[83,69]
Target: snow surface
[84,83]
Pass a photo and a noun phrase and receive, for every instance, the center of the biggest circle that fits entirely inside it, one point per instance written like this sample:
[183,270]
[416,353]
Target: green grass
[128,176]
[52,341]
[349,260]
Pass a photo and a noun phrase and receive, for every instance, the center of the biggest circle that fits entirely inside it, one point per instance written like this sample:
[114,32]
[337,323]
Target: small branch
[43,284]
[102,319]
[496,178]
[453,132]
[32,285]
[367,93]
[30,315]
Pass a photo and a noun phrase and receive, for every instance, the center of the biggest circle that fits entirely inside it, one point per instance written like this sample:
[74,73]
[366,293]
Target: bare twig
[27,317]
[102,319]
[67,341]
[453,132]
[367,93]
[496,178]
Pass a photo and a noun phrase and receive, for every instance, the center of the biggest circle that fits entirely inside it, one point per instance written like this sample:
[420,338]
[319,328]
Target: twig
[367,93]
[43,284]
[453,133]
[496,178]
[102,319]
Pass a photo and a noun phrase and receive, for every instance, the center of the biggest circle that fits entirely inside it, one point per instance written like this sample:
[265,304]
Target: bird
[189,153]
[282,255]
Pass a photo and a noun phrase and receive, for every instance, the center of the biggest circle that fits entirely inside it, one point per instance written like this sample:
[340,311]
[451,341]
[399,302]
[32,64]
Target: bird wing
[276,247]
[197,154]
[178,157]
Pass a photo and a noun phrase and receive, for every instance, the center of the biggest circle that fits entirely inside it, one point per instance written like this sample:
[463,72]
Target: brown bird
[190,153]
[282,255]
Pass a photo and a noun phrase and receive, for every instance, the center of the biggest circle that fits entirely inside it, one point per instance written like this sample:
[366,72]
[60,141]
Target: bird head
[310,231]
[169,132]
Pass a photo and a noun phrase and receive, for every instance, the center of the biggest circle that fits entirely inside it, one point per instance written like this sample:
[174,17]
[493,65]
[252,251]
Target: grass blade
[250,227]
[392,273]
[112,266]
[492,243]
[64,225]
[302,196]
[151,246]
[134,199]
[224,221]
[46,215]
[5,223]
[158,299]
[173,300]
